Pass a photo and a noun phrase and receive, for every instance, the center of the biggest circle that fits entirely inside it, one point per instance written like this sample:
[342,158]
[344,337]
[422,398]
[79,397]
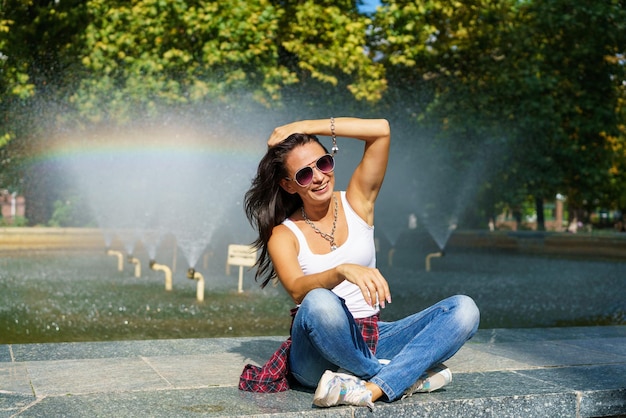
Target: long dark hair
[267,204]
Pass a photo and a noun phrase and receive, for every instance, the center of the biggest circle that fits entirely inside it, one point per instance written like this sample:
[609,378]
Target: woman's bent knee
[322,304]
[319,299]
[467,313]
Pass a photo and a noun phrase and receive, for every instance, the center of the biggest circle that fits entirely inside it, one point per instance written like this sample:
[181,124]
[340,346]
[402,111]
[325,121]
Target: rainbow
[140,143]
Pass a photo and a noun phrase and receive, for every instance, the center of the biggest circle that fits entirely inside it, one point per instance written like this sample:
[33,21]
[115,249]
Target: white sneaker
[433,379]
[342,389]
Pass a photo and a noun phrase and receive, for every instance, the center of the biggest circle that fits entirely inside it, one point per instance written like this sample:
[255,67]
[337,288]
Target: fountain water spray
[436,187]
[432,255]
[166,270]
[120,258]
[135,261]
[186,180]
[192,274]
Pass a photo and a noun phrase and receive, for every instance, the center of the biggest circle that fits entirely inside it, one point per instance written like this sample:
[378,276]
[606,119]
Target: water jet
[137,263]
[432,255]
[118,170]
[120,258]
[192,274]
[390,254]
[166,270]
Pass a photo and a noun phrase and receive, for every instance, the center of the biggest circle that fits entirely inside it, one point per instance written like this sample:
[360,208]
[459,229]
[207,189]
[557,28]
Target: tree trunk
[541,222]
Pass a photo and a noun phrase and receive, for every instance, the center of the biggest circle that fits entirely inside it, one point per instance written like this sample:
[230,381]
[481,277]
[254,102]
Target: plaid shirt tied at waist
[273,376]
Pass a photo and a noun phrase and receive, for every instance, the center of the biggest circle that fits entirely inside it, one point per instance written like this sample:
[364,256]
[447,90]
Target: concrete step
[546,372]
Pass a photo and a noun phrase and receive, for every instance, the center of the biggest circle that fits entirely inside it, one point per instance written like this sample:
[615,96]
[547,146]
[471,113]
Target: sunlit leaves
[154,53]
[542,75]
[149,53]
[14,80]
[328,41]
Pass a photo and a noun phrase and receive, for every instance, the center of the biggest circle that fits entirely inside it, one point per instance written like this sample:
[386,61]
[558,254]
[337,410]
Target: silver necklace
[328,237]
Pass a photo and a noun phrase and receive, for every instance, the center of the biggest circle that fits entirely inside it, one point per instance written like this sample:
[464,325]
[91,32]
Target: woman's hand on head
[369,280]
[281,133]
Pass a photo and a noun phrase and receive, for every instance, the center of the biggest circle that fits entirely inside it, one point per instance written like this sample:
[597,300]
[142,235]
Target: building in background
[12,207]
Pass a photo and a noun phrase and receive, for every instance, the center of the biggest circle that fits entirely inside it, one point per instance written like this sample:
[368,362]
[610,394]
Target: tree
[153,54]
[444,61]
[533,85]
[14,79]
[38,43]
[536,79]
[113,63]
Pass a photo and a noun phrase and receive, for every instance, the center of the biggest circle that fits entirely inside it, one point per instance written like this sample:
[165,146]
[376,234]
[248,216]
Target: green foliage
[538,83]
[568,52]
[152,54]
[72,212]
[14,81]
[38,67]
[538,80]
[18,221]
[329,41]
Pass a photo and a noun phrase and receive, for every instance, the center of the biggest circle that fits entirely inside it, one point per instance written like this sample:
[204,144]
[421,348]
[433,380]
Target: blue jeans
[325,337]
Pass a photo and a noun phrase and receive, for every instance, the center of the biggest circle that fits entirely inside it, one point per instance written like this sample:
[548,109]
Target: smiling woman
[319,243]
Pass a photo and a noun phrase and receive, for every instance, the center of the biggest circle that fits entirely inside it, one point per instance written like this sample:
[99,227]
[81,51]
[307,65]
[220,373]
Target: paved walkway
[548,372]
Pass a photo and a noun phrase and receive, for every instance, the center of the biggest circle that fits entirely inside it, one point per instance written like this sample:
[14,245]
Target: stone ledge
[612,246]
[607,245]
[570,372]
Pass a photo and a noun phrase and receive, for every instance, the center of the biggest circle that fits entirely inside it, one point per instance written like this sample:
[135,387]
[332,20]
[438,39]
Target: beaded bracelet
[333,136]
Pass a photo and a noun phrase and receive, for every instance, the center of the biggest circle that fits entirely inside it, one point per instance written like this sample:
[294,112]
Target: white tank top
[359,249]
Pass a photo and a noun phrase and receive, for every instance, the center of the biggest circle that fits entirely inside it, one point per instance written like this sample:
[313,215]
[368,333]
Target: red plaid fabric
[273,376]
